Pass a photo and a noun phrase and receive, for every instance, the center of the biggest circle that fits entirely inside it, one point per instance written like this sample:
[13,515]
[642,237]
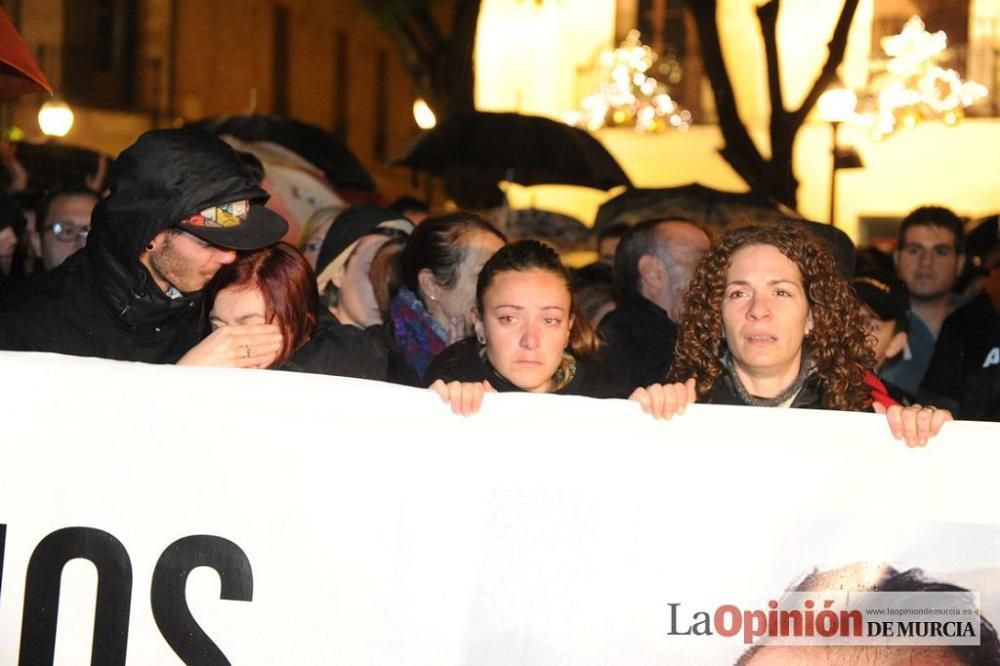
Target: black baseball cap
[237,225]
[884,293]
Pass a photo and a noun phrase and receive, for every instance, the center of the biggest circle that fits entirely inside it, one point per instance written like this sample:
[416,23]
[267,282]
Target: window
[99,56]
[279,74]
[668,29]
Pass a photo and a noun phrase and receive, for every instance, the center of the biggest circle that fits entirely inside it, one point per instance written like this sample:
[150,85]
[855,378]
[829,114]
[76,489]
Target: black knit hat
[353,223]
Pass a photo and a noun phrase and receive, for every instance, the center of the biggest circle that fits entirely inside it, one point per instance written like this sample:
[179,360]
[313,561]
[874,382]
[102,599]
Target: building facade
[128,65]
[125,66]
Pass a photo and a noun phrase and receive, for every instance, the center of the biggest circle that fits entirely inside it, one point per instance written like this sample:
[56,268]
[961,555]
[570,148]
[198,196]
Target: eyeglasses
[67,231]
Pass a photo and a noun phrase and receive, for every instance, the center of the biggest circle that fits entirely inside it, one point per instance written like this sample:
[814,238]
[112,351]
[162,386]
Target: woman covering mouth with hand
[771,322]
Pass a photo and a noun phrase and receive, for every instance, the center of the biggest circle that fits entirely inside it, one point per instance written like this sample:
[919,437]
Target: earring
[150,247]
[481,339]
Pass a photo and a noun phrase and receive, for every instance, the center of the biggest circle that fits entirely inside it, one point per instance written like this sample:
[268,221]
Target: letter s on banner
[167,595]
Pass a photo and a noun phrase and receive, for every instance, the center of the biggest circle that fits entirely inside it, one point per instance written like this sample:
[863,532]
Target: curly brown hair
[838,346]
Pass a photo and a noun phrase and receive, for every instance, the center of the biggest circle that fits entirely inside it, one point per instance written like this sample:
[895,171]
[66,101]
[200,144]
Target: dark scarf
[564,374]
[734,384]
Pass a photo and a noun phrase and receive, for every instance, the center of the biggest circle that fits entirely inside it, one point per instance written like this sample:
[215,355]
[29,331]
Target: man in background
[929,258]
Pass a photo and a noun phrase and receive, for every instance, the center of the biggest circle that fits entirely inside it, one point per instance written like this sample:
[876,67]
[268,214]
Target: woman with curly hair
[770,321]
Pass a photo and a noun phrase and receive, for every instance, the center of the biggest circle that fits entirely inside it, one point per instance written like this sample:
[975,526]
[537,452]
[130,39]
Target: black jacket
[102,301]
[462,362]
[338,349]
[639,341]
[398,370]
[809,397]
[964,374]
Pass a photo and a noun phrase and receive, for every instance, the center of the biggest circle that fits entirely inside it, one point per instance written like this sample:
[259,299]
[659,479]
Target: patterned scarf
[806,369]
[419,335]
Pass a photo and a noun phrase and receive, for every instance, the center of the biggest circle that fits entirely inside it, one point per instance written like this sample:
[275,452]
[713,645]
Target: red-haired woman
[264,313]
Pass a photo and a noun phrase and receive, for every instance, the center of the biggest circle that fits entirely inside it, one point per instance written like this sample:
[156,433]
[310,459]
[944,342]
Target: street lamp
[836,105]
[423,115]
[55,118]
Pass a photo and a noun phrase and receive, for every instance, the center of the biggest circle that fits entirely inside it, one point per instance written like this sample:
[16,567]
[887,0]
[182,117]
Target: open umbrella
[297,188]
[57,164]
[563,231]
[717,211]
[711,208]
[529,150]
[320,147]
[19,73]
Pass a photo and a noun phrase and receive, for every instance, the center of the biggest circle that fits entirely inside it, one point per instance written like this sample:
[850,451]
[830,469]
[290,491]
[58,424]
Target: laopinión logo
[841,618]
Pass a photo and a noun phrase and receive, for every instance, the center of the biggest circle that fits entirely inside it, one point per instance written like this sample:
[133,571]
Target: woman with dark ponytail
[529,336]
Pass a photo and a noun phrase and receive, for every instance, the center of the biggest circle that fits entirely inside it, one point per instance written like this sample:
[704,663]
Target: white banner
[216,516]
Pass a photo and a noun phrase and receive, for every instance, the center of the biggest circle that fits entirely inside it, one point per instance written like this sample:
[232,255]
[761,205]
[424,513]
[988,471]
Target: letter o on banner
[735,622]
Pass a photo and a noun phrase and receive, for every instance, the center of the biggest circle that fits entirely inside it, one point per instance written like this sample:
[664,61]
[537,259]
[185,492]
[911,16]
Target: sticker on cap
[224,216]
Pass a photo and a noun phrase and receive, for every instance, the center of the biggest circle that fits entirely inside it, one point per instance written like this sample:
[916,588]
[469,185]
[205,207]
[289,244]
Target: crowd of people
[179,261]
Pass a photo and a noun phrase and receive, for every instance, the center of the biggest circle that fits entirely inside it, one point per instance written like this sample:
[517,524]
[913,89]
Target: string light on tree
[915,87]
[628,96]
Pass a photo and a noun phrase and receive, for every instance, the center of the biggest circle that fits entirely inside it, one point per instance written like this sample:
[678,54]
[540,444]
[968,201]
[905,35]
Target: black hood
[161,179]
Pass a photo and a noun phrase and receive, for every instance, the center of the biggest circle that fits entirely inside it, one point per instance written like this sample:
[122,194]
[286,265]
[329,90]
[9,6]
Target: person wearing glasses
[181,203]
[64,215]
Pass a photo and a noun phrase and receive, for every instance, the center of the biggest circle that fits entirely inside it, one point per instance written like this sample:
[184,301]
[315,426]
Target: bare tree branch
[836,49]
[767,15]
[465,20]
[740,150]
[440,65]
[428,27]
[411,53]
[773,176]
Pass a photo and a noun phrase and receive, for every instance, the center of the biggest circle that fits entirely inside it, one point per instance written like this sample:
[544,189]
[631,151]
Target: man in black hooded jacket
[181,202]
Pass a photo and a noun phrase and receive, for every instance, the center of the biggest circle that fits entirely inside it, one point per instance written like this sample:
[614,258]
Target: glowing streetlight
[836,105]
[423,115]
[55,118]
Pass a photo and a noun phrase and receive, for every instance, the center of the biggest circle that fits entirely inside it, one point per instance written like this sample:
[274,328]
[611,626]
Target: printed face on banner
[765,312]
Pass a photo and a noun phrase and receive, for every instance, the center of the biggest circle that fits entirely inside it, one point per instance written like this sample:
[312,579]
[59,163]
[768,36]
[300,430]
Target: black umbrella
[529,150]
[313,143]
[717,211]
[563,231]
[711,208]
[57,164]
